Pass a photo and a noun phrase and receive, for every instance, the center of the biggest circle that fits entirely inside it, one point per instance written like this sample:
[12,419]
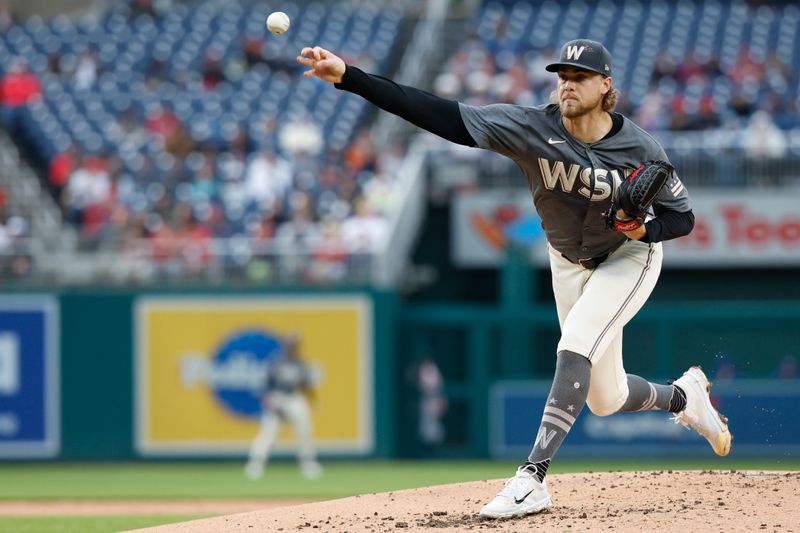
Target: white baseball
[278,22]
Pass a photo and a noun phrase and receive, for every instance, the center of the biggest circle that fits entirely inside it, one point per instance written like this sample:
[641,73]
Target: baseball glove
[636,194]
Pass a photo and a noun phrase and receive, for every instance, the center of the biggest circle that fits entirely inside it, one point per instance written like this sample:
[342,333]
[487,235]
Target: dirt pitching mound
[730,501]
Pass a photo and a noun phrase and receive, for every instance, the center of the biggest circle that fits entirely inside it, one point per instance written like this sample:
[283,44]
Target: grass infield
[86,524]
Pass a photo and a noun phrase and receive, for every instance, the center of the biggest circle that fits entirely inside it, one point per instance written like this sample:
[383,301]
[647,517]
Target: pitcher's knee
[605,409]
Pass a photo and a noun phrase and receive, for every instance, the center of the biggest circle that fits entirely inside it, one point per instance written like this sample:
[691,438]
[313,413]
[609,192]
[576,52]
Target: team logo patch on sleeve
[676,187]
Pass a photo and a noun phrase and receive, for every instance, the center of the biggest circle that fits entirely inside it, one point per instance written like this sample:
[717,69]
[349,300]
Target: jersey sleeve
[497,127]
[674,196]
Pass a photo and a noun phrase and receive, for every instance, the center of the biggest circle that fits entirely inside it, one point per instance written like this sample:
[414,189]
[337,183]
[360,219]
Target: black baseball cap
[585,54]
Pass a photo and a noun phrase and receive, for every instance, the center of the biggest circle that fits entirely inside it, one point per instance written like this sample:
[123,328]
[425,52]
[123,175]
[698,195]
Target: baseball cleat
[699,414]
[522,494]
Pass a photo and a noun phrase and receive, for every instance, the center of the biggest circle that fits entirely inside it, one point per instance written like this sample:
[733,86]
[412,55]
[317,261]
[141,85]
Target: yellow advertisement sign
[204,367]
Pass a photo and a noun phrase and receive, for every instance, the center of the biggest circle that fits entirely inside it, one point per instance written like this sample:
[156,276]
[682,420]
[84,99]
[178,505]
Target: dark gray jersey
[289,375]
[572,182]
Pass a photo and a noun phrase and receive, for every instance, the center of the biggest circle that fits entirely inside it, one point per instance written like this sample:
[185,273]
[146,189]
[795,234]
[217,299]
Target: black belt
[590,263]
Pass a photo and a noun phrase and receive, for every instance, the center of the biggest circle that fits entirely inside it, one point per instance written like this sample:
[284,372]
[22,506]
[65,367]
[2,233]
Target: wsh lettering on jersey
[558,174]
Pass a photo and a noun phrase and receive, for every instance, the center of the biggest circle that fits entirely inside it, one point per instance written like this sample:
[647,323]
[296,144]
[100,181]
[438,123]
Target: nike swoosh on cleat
[555,141]
[518,501]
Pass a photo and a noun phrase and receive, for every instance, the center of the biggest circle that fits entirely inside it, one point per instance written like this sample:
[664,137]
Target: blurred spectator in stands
[390,158]
[160,122]
[61,167]
[713,67]
[689,70]
[212,73]
[512,85]
[253,47]
[205,185]
[264,228]
[746,70]
[328,254]
[86,70]
[360,154]
[267,177]
[193,240]
[542,80]
[157,70]
[301,136]
[89,185]
[349,189]
[142,7]
[762,138]
[299,228]
[240,140]
[54,62]
[679,120]
[258,50]
[119,232]
[12,227]
[18,87]
[379,192]
[707,116]
[365,231]
[447,85]
[648,116]
[14,259]
[296,237]
[664,67]
[742,103]
[776,74]
[127,132]
[232,165]
[7,18]
[165,126]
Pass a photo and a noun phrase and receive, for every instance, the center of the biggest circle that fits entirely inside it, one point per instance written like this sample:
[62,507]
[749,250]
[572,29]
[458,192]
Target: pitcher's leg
[526,492]
[609,387]
[613,294]
[646,396]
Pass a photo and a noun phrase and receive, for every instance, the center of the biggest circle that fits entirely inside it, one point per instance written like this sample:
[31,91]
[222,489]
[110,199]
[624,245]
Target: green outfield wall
[475,345]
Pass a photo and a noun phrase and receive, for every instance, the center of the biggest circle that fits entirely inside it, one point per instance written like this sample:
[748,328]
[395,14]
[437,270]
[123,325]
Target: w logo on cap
[574,52]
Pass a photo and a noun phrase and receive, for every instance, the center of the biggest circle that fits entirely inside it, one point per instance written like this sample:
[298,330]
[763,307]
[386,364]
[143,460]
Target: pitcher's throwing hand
[324,65]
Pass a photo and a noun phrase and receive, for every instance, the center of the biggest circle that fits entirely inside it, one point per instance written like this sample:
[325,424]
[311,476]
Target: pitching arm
[430,112]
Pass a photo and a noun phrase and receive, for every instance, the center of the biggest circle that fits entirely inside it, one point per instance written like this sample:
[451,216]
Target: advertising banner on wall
[733,228]
[485,222]
[29,377]
[202,365]
[514,404]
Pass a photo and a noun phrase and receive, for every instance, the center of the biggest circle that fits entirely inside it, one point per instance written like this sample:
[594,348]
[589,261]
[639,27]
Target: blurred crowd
[191,186]
[682,89]
[15,261]
[178,184]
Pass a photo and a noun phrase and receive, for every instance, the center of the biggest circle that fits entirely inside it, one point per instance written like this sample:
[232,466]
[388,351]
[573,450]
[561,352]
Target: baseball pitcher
[607,197]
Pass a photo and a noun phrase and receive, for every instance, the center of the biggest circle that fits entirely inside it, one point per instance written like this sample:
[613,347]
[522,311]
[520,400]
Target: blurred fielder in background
[580,158]
[287,393]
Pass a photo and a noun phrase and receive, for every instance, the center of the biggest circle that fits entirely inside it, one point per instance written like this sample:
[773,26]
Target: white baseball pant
[593,307]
